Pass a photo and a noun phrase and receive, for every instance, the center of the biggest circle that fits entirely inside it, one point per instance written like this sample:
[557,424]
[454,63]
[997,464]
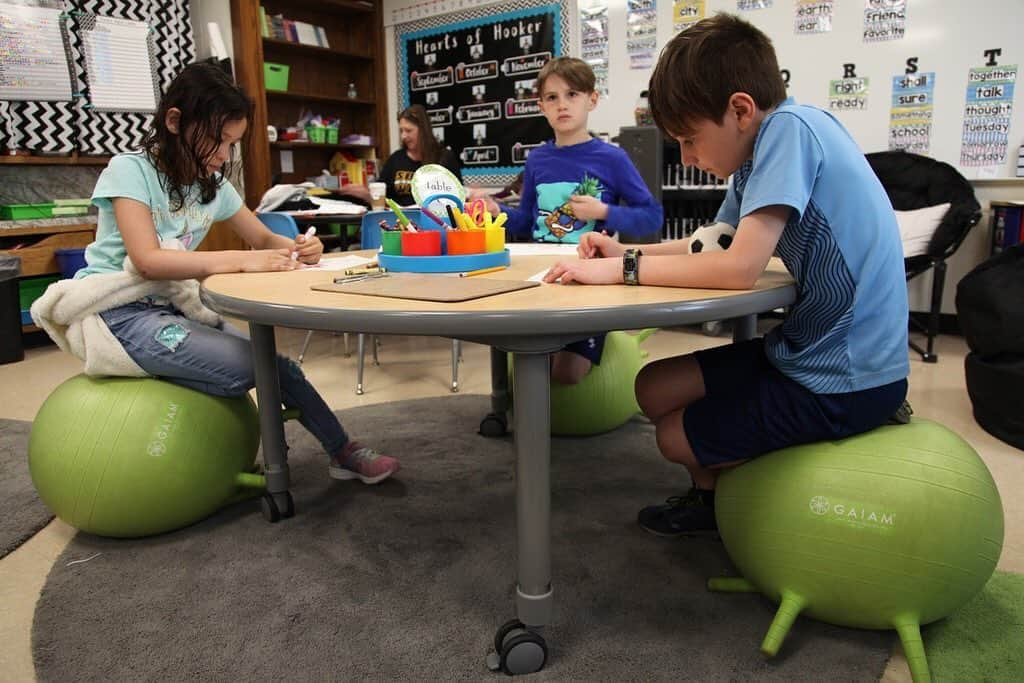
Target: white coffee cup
[377,192]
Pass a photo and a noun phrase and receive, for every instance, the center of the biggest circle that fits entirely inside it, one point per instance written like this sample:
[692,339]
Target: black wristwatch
[631,266]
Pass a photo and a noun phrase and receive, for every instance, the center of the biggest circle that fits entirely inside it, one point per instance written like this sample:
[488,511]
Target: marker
[358,278]
[402,220]
[451,216]
[482,271]
[430,214]
[309,234]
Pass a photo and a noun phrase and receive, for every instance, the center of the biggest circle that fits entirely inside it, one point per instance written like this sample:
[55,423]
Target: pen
[482,271]
[309,233]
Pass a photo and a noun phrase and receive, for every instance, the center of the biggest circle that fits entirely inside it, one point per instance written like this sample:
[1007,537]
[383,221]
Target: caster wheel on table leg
[494,425]
[518,651]
[277,507]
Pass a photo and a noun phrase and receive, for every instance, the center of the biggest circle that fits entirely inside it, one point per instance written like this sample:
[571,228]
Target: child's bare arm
[736,268]
[140,239]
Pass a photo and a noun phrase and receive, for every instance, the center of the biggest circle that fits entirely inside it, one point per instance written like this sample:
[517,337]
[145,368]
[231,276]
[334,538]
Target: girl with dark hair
[155,207]
[419,147]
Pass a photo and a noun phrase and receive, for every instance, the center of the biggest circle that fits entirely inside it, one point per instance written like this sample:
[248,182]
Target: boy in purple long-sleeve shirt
[573,185]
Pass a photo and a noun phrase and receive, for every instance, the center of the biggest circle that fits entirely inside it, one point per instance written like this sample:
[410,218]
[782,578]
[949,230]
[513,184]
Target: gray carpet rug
[23,513]
[410,579]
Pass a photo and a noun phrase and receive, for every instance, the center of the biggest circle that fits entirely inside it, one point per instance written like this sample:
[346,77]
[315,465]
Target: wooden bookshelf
[318,82]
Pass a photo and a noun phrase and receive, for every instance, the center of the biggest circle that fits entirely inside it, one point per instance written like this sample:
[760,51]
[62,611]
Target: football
[713,237]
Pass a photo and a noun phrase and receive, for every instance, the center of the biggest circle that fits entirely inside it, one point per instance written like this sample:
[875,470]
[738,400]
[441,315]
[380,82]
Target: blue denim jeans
[216,361]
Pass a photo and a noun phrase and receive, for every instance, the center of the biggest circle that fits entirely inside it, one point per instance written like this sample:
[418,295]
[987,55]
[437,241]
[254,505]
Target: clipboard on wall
[426,287]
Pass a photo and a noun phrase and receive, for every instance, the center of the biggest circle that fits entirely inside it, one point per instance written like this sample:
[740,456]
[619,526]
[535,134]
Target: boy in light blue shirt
[801,188]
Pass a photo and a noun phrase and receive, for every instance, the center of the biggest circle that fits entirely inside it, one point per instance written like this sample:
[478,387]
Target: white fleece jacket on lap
[69,312]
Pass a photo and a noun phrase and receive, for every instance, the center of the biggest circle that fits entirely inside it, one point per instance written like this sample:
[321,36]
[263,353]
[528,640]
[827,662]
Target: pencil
[482,271]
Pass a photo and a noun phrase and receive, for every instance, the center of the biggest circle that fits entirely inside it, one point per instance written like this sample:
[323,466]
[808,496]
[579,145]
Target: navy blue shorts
[590,348]
[751,408]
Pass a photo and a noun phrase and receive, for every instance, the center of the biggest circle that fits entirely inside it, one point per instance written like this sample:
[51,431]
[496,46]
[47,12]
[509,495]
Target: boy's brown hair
[701,67]
[575,72]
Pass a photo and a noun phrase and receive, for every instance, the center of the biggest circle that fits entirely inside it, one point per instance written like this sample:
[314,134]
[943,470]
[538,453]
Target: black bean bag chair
[990,310]
[996,387]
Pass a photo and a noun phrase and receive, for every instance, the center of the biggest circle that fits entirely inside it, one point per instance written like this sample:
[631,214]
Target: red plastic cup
[422,243]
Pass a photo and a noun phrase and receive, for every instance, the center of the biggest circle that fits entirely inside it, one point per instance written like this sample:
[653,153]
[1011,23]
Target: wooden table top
[286,299]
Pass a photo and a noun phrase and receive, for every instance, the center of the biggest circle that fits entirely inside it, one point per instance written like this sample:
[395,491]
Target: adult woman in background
[419,147]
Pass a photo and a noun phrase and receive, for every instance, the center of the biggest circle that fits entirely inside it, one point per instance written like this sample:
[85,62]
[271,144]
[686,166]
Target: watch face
[629,267]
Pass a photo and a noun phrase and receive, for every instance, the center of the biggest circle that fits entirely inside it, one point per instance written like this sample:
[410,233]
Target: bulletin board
[107,126]
[475,71]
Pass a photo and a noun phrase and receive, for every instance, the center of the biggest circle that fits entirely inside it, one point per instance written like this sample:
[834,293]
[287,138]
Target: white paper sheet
[340,262]
[540,249]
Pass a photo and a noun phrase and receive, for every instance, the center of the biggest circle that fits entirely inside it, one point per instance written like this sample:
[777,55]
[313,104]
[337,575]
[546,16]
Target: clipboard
[426,287]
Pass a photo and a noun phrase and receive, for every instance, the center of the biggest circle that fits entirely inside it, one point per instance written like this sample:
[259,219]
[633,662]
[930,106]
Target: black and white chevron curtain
[65,127]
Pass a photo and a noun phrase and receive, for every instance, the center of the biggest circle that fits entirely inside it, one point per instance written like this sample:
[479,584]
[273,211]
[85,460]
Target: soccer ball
[714,237]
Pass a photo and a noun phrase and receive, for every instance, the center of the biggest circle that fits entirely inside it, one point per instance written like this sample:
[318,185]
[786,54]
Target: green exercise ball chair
[893,528]
[605,399]
[134,457]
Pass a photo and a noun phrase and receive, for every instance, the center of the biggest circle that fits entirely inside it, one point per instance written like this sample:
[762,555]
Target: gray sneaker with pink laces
[357,461]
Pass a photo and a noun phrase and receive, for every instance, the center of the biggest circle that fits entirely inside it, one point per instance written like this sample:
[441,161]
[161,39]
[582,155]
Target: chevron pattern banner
[63,127]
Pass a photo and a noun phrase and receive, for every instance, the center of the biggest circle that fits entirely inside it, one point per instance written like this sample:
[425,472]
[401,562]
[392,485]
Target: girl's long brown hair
[207,99]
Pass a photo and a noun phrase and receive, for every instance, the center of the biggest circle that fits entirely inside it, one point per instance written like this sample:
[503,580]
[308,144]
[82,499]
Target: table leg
[744,328]
[520,649]
[277,502]
[495,423]
[533,487]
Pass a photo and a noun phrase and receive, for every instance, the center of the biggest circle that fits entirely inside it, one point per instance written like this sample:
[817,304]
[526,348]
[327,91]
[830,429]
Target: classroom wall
[943,43]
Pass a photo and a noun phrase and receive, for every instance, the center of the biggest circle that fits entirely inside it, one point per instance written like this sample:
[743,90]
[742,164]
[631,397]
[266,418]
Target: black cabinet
[690,197]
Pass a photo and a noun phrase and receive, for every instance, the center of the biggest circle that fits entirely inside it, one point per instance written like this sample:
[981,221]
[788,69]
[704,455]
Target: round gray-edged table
[529,323]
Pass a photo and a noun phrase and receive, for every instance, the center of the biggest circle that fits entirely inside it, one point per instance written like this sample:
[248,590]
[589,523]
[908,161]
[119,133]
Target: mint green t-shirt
[133,176]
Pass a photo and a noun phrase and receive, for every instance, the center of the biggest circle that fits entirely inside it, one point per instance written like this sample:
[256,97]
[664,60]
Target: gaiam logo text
[821,506]
[158,447]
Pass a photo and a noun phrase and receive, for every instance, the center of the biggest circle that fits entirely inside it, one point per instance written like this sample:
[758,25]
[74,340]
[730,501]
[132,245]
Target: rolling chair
[913,181]
[369,238]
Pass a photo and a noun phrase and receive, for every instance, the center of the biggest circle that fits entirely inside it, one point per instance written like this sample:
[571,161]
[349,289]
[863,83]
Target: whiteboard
[33,64]
[948,37]
[118,69]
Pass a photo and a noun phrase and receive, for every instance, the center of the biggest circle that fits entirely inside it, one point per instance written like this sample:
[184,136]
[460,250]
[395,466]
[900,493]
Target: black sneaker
[687,515]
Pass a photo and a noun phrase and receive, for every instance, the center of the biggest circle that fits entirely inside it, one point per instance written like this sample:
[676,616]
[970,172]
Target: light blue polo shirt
[847,330]
[134,176]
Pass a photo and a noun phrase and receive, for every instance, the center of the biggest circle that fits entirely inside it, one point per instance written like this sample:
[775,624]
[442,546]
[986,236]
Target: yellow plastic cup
[494,239]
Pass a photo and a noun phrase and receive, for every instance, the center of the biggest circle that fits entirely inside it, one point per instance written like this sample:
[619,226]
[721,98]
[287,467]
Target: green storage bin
[23,211]
[31,288]
[275,76]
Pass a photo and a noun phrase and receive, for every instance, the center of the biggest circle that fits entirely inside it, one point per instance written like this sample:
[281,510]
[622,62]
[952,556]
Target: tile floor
[413,367]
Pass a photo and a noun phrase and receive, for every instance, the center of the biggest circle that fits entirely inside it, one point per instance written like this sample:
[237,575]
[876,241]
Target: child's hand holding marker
[308,247]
